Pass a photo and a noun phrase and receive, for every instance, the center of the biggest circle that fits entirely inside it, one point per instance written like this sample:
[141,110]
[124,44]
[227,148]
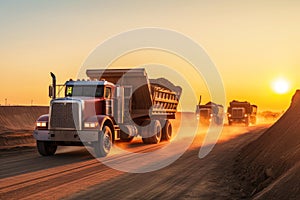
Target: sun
[281,86]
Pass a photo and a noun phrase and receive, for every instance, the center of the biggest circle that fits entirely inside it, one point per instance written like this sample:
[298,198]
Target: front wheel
[219,120]
[104,144]
[247,123]
[46,148]
[253,120]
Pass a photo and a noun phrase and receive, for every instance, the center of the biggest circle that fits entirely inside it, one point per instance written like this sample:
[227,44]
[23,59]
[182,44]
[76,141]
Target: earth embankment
[17,123]
[270,165]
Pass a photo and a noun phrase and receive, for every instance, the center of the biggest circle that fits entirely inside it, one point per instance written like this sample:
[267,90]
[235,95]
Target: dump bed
[148,96]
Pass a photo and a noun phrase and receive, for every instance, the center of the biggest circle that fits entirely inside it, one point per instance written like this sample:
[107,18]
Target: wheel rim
[106,141]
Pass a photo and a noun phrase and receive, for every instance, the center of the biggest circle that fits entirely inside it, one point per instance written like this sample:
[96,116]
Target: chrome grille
[65,115]
[238,113]
[204,113]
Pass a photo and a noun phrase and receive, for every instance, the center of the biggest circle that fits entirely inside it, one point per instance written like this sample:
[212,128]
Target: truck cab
[204,115]
[241,112]
[86,108]
[210,112]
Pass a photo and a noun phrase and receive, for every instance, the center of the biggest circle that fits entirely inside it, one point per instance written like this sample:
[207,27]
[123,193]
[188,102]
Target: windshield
[84,90]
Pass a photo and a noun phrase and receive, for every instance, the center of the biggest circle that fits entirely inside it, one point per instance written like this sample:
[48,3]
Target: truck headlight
[246,115]
[41,125]
[229,115]
[90,124]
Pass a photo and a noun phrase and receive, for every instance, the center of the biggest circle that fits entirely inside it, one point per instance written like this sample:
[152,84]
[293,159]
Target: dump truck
[210,113]
[114,104]
[241,112]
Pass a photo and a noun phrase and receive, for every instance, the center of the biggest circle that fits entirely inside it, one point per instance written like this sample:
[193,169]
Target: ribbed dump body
[147,97]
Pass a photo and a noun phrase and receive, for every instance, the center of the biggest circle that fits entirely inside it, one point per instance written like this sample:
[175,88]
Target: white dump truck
[115,104]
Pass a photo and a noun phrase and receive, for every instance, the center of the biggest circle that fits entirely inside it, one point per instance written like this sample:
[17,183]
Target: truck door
[108,101]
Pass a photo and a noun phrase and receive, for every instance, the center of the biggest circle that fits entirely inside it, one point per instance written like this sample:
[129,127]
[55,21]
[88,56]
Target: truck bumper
[237,120]
[70,136]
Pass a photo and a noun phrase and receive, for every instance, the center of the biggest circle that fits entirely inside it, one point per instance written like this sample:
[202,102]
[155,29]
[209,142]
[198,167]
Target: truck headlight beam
[41,124]
[90,124]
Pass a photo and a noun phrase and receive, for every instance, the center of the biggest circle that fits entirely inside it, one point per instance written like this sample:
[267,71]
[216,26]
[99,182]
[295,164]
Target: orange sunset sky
[252,43]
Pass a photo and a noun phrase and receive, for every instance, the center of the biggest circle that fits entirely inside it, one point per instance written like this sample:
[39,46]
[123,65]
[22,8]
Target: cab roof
[88,83]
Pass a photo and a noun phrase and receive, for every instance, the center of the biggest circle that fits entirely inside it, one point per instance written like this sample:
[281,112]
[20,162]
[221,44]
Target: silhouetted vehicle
[210,112]
[241,112]
[118,104]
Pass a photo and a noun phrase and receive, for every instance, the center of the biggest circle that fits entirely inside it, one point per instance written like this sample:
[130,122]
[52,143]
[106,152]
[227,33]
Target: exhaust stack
[200,100]
[53,85]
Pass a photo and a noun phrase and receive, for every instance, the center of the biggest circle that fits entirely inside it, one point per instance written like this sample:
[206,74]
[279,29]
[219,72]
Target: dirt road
[74,174]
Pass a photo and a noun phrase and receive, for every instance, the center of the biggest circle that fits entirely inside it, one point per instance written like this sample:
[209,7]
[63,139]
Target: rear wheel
[152,133]
[129,139]
[167,131]
[46,148]
[104,144]
[125,134]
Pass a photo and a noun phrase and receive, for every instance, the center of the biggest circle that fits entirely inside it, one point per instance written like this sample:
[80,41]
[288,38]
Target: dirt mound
[269,165]
[20,118]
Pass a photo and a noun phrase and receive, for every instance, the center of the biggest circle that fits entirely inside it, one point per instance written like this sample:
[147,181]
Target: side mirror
[50,91]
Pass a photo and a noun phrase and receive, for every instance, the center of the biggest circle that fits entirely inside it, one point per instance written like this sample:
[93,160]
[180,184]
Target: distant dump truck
[241,112]
[118,104]
[210,112]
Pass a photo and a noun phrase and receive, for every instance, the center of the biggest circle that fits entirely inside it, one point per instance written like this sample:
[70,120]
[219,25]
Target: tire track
[41,182]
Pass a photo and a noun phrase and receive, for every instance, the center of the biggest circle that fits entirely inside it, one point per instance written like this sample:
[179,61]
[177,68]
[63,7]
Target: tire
[124,134]
[153,131]
[247,122]
[46,148]
[104,144]
[219,120]
[167,131]
[213,120]
[129,139]
[253,120]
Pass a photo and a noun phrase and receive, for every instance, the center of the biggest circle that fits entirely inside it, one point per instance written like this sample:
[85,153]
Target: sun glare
[281,86]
